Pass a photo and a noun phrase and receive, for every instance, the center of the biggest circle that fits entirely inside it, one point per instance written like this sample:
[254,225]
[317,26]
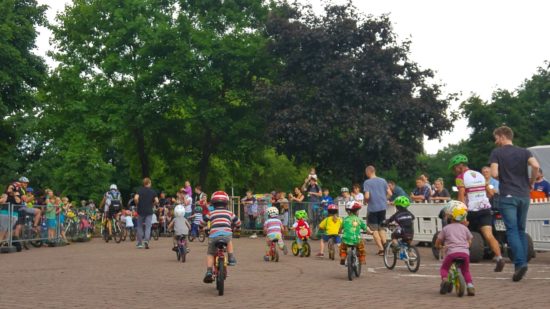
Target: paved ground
[96,274]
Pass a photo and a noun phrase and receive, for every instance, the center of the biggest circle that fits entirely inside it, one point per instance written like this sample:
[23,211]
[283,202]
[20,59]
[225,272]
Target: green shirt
[50,211]
[351,230]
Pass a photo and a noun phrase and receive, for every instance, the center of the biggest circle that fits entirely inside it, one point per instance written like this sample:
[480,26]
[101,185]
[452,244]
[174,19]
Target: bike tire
[435,251]
[413,259]
[183,253]
[390,258]
[307,249]
[460,284]
[117,233]
[35,243]
[295,249]
[220,278]
[350,266]
[330,246]
[357,268]
[132,235]
[155,233]
[191,238]
[202,237]
[178,254]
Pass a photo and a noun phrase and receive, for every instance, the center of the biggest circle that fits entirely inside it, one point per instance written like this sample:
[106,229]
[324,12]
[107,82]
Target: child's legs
[362,252]
[299,241]
[446,264]
[230,247]
[322,245]
[465,268]
[343,251]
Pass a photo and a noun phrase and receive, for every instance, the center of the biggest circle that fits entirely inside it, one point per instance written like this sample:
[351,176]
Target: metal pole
[10,224]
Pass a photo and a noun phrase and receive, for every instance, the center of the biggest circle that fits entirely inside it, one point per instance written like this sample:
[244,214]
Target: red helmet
[352,205]
[332,207]
[219,197]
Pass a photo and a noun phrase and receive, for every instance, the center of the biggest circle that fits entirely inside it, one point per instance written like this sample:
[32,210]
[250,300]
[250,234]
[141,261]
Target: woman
[296,199]
[440,193]
[357,195]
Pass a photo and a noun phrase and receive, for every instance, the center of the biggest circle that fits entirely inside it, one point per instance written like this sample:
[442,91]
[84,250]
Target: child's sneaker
[208,278]
[232,261]
[253,236]
[471,291]
[175,249]
[320,254]
[444,287]
[266,258]
[146,245]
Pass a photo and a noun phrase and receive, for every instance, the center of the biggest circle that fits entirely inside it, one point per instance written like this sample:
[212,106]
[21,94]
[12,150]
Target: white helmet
[272,212]
[179,211]
[113,187]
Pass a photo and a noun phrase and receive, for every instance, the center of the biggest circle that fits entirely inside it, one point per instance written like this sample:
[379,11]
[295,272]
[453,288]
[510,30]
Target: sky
[473,46]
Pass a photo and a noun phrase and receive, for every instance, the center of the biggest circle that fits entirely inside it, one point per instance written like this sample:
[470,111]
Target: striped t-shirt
[222,221]
[273,226]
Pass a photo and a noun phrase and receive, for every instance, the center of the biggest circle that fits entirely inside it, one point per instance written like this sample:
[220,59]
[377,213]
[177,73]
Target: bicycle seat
[220,244]
[180,237]
[458,261]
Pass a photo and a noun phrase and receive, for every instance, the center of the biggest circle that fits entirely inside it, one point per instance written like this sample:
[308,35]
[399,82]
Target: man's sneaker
[146,245]
[444,287]
[320,254]
[519,273]
[285,250]
[500,265]
[471,291]
[266,258]
[232,261]
[253,236]
[343,262]
[139,245]
[208,278]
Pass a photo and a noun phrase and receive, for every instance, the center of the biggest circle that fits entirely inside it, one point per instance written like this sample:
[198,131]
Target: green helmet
[300,214]
[457,159]
[198,209]
[402,201]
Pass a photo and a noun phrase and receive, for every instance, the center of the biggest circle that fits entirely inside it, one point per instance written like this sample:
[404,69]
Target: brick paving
[110,275]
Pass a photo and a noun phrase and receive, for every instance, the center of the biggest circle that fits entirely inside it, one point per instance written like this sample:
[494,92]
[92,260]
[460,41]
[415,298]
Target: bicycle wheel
[35,236]
[183,252]
[390,258]
[307,249]
[460,284]
[132,234]
[295,249]
[117,231]
[105,233]
[413,259]
[191,237]
[220,278]
[202,237]
[155,233]
[350,265]
[330,246]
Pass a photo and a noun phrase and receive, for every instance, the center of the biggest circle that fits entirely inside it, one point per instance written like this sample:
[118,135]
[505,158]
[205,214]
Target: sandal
[380,253]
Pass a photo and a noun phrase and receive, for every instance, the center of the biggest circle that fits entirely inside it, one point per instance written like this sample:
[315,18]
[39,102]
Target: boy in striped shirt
[222,222]
[273,228]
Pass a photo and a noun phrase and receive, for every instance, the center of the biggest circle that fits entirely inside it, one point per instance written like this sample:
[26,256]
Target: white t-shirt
[359,197]
[181,226]
[188,203]
[154,219]
[129,222]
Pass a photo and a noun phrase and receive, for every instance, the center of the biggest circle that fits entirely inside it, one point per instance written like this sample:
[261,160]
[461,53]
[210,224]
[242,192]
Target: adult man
[113,205]
[396,190]
[509,165]
[314,193]
[144,199]
[377,193]
[17,194]
[251,209]
[492,190]
[541,188]
[472,189]
[422,192]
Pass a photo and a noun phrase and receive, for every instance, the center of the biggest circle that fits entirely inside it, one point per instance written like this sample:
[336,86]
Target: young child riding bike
[273,228]
[351,233]
[405,221]
[196,220]
[180,224]
[223,221]
[302,229]
[331,226]
[457,240]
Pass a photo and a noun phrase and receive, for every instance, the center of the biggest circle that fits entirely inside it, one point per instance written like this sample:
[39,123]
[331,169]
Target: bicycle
[155,233]
[407,253]
[116,231]
[306,249]
[331,245]
[201,235]
[219,271]
[181,251]
[273,250]
[29,235]
[352,262]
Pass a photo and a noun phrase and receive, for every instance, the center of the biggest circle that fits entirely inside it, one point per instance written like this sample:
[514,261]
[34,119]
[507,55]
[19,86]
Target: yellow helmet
[458,210]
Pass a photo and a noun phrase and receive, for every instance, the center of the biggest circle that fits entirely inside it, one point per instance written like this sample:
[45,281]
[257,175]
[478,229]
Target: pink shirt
[455,237]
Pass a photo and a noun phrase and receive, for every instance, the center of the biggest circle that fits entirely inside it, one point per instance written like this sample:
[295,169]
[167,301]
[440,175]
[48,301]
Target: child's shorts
[335,237]
[274,236]
[212,243]
[52,223]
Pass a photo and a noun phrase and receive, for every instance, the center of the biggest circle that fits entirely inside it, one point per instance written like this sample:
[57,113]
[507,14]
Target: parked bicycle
[29,235]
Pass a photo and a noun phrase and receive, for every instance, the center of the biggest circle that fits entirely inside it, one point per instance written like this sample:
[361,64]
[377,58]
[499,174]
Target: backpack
[116,203]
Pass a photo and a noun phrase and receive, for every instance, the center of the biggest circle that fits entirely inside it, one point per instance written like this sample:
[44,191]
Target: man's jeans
[147,219]
[514,212]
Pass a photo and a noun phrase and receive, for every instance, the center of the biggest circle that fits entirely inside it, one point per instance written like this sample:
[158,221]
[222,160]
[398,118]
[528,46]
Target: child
[51,220]
[457,240]
[129,222]
[251,209]
[283,204]
[180,225]
[331,225]
[196,218]
[273,228]
[302,229]
[351,233]
[326,200]
[223,222]
[405,221]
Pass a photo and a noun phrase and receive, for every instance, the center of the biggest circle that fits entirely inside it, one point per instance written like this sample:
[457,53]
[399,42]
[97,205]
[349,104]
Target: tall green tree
[347,93]
[21,72]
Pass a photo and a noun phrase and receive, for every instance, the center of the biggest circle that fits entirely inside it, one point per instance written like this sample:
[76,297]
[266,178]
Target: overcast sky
[473,46]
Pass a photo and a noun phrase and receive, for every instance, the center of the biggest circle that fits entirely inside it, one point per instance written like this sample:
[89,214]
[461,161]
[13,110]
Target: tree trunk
[142,154]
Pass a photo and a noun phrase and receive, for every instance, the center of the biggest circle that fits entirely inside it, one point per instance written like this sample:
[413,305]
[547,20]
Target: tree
[346,92]
[21,72]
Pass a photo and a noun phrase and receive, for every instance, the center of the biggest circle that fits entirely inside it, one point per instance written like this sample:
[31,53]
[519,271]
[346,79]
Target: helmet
[402,201]
[272,212]
[198,209]
[30,190]
[344,189]
[458,210]
[24,179]
[113,187]
[457,159]
[179,211]
[300,214]
[353,205]
[332,209]
[219,197]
